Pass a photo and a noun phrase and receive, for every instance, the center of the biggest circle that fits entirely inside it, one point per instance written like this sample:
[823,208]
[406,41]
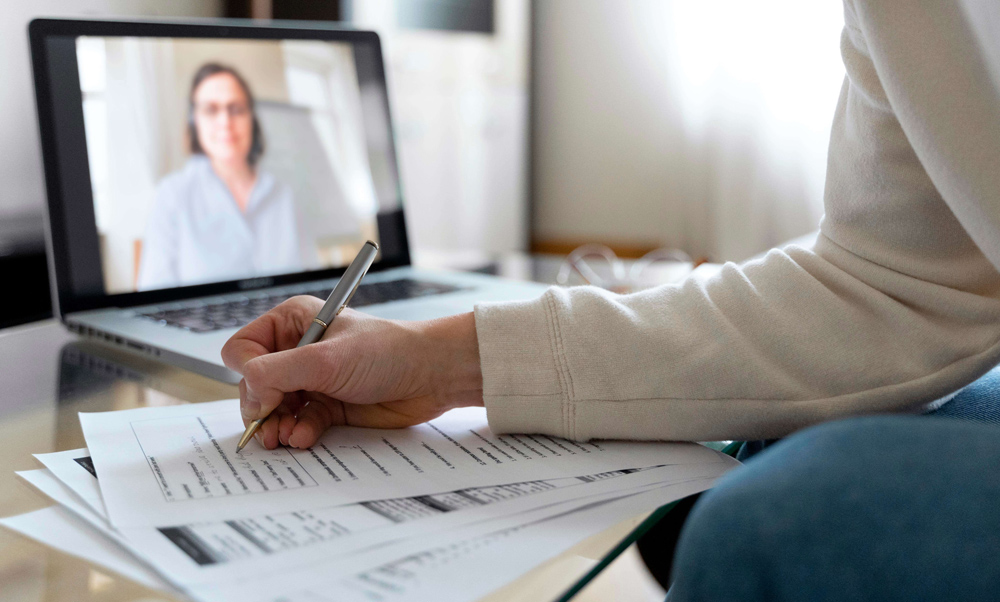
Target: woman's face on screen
[223,119]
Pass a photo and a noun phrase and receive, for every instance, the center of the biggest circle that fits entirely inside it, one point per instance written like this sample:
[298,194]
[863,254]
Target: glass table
[48,375]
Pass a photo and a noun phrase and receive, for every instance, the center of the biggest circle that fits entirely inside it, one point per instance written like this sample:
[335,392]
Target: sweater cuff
[524,380]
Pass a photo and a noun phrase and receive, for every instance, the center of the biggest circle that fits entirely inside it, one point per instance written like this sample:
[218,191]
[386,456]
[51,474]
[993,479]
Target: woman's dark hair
[204,72]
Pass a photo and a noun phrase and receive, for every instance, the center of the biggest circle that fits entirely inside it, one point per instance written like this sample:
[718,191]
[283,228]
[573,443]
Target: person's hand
[365,371]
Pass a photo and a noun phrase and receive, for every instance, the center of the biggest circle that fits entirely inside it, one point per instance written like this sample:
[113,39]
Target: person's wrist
[453,347]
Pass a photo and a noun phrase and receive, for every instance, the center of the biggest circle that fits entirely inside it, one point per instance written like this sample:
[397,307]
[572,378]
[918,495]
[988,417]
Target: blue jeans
[880,508]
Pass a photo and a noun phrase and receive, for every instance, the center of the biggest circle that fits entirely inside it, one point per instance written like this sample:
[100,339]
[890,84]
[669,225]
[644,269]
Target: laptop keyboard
[240,312]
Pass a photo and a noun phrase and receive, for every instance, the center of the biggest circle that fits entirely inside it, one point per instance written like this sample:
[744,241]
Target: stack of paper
[443,511]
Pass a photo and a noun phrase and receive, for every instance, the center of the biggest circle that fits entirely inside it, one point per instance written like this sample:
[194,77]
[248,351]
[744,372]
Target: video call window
[218,160]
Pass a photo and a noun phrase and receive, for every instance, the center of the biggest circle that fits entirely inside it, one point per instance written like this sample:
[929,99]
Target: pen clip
[351,296]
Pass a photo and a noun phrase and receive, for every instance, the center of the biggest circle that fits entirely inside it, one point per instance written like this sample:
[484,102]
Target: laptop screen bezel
[65,172]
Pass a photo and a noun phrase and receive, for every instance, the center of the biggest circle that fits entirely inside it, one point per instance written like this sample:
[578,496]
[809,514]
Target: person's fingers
[269,432]
[249,408]
[283,420]
[313,420]
[243,396]
[270,377]
[281,413]
[285,424]
[288,409]
[279,329]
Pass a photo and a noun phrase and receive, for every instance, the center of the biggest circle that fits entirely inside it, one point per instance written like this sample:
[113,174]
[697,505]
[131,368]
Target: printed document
[457,565]
[398,571]
[177,465]
[76,470]
[226,549]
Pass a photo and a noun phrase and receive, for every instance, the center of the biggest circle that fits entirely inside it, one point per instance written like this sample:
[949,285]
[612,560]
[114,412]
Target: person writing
[895,309]
[221,217]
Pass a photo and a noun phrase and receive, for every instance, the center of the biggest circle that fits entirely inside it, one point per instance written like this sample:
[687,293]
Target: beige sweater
[896,306]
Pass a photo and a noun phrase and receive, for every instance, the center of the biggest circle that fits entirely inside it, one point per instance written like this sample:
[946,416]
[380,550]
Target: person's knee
[736,526]
[753,514]
[794,514]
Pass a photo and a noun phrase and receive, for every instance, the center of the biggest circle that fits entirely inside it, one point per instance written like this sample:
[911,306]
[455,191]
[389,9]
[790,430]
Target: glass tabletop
[48,376]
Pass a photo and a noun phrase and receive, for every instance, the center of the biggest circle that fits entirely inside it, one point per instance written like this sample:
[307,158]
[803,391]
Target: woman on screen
[221,217]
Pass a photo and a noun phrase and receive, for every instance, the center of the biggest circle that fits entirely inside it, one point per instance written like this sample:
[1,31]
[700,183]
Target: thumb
[269,377]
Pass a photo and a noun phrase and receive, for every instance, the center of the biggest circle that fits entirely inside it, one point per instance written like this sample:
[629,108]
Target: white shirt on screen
[197,234]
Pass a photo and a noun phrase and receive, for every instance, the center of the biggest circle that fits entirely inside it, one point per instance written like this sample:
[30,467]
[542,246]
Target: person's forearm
[456,372]
[756,352]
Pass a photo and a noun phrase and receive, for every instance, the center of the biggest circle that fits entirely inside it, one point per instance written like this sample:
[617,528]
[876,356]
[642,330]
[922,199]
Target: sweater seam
[569,408]
[556,348]
[570,393]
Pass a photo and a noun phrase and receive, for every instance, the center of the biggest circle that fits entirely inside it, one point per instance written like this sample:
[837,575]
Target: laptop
[199,174]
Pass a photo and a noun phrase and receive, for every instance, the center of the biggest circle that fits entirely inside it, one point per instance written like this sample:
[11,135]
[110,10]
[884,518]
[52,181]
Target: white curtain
[757,84]
[699,124]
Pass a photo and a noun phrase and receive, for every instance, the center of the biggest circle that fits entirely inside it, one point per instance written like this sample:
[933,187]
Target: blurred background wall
[544,124]
[698,125]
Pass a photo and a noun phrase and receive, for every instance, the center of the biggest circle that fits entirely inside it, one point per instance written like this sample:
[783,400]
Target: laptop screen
[213,160]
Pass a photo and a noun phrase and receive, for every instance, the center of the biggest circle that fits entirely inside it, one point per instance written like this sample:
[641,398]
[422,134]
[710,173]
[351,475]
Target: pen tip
[239,448]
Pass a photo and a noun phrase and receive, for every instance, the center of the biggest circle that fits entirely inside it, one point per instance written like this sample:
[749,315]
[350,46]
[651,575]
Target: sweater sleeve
[897,304]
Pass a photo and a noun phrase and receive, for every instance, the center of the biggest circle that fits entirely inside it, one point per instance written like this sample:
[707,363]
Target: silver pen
[335,303]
